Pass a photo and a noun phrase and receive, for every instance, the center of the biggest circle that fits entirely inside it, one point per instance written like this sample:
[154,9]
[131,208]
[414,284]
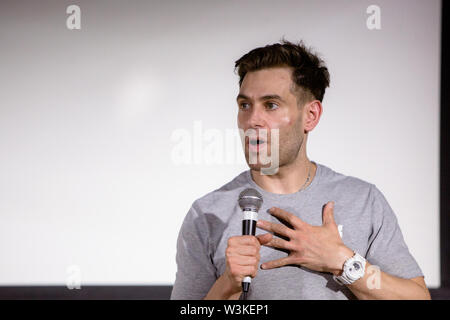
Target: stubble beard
[289,151]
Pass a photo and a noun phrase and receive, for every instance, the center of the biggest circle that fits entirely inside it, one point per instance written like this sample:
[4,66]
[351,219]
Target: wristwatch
[353,270]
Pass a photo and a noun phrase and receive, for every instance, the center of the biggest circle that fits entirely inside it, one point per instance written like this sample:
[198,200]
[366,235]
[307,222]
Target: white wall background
[87,176]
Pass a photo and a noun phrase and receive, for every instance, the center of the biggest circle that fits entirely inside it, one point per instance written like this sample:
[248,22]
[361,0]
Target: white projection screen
[92,119]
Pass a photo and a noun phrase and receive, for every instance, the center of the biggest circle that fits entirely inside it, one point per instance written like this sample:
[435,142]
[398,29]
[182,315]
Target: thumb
[328,213]
[264,238]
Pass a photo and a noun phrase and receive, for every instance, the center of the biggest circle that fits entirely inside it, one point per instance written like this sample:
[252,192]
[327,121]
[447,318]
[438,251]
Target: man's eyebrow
[266,97]
[272,97]
[242,96]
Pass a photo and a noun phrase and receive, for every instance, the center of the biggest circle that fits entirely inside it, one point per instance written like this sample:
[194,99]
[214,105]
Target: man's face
[266,101]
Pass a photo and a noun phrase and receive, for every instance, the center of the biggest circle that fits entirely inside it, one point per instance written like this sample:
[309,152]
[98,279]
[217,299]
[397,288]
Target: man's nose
[256,119]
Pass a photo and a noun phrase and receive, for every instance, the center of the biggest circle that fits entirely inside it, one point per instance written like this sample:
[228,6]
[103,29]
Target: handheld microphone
[250,202]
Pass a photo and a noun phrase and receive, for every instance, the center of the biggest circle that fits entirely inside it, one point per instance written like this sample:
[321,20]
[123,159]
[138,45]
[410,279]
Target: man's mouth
[256,145]
[255,142]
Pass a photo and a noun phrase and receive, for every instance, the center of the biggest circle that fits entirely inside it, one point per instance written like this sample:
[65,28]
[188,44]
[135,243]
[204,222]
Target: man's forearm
[221,290]
[387,287]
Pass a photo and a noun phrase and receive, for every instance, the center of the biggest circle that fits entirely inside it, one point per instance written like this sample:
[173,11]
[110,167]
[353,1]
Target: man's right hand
[242,258]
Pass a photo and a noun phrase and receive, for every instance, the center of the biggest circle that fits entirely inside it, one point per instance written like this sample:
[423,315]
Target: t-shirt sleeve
[196,273]
[387,248]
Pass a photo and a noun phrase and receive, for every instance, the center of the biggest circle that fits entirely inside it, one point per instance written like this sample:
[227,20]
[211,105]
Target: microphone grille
[250,199]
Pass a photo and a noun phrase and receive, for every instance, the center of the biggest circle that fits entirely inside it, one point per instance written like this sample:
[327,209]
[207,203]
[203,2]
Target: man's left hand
[318,248]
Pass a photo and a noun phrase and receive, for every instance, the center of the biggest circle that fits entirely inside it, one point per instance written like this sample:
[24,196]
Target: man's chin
[257,166]
[254,167]
[263,169]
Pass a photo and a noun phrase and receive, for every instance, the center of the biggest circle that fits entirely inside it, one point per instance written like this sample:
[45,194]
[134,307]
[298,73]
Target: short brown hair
[309,71]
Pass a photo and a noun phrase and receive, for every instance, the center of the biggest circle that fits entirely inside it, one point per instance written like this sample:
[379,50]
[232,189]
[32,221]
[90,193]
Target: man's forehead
[270,81]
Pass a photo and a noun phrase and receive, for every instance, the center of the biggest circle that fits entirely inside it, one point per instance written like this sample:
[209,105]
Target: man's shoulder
[224,196]
[346,184]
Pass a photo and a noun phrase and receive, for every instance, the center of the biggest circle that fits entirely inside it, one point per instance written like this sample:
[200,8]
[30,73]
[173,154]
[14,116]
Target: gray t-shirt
[369,227]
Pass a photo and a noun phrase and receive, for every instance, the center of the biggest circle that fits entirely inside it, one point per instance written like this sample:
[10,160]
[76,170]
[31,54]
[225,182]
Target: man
[321,234]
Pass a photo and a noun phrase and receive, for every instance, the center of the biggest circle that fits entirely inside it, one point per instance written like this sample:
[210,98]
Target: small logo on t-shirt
[340,227]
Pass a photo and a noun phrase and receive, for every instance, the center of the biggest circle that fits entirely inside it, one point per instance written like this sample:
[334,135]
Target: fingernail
[262,266]
[332,204]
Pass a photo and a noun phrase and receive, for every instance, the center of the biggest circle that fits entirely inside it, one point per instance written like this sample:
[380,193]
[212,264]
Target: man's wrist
[222,290]
[229,290]
[343,254]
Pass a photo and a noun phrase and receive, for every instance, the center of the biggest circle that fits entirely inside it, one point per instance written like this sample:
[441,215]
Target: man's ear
[312,112]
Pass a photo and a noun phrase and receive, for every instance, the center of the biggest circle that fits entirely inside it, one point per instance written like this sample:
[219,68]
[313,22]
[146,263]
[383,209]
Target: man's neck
[289,178]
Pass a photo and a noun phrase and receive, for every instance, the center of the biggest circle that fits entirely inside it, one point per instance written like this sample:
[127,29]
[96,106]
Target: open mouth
[255,142]
[256,145]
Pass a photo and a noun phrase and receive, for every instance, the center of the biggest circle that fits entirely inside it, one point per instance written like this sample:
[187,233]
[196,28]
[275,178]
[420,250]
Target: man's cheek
[282,121]
[285,121]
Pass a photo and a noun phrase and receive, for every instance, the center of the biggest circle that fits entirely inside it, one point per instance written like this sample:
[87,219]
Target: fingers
[328,214]
[264,238]
[293,220]
[275,228]
[243,240]
[243,255]
[238,272]
[251,251]
[242,258]
[276,263]
[243,246]
[268,239]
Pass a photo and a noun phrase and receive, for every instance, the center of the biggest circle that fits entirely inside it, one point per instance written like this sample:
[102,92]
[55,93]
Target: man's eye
[272,106]
[244,106]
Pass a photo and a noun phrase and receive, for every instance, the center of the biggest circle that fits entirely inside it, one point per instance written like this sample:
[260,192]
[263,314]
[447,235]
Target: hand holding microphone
[242,253]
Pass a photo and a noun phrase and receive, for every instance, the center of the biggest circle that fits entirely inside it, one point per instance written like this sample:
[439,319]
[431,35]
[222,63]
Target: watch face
[355,270]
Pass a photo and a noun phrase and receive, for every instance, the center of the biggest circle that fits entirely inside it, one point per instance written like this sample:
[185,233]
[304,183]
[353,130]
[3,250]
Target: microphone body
[250,202]
[249,223]
[248,228]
